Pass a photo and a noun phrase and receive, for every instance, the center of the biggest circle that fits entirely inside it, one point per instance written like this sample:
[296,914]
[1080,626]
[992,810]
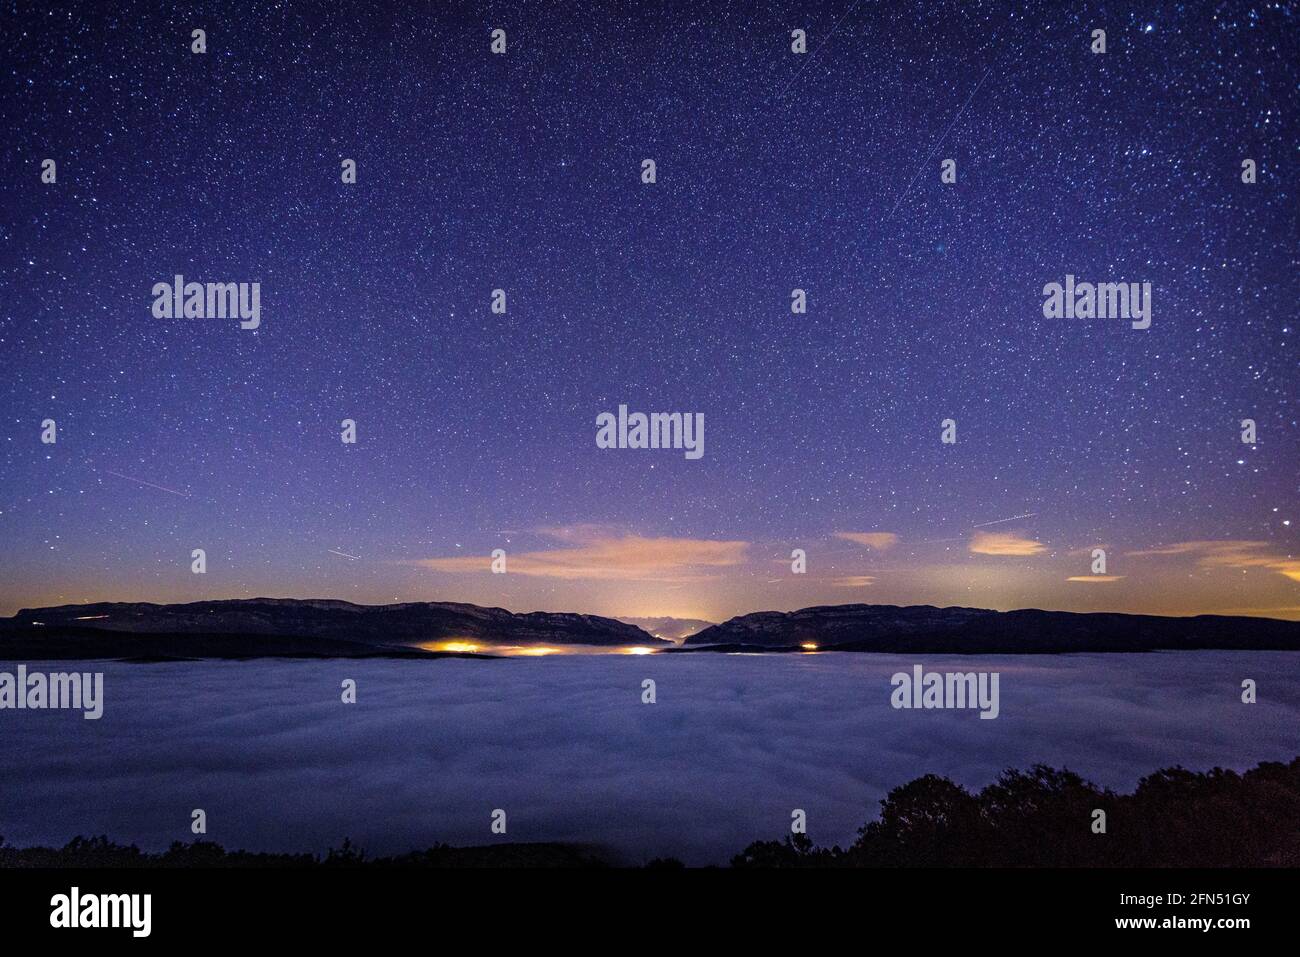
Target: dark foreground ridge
[925,629]
[287,627]
[1038,818]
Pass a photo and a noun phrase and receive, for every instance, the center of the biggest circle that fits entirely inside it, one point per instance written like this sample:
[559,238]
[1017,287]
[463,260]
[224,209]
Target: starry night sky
[775,171]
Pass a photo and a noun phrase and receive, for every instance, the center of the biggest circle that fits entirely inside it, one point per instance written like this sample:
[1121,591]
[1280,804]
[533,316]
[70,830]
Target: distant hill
[673,629]
[925,629]
[257,627]
[284,627]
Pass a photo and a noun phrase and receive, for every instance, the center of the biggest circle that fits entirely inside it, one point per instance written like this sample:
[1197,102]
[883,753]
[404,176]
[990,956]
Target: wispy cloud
[877,540]
[597,553]
[854,581]
[1004,543]
[1231,554]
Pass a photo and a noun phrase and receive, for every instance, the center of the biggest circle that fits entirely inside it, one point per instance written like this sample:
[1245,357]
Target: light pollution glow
[1044,568]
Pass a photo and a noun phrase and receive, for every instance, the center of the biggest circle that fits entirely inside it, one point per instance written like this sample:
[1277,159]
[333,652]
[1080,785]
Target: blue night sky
[775,171]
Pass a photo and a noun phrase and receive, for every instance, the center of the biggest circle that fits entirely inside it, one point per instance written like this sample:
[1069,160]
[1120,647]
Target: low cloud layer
[568,750]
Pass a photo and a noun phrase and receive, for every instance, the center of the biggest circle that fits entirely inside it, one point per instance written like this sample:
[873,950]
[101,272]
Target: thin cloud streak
[854,581]
[1230,554]
[880,541]
[597,554]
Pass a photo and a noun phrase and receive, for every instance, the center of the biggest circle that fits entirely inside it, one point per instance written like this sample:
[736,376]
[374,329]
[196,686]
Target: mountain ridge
[295,627]
[249,627]
[931,629]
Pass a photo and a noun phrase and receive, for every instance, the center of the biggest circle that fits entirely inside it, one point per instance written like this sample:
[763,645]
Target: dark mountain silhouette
[283,627]
[925,629]
[258,627]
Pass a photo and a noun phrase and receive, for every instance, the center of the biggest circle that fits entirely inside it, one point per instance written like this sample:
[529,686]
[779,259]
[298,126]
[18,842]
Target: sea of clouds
[566,747]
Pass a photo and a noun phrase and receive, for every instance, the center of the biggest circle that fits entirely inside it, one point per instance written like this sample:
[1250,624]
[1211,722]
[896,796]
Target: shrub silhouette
[1043,818]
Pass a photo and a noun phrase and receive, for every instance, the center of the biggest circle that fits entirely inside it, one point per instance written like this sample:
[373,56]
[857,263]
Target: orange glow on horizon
[456,646]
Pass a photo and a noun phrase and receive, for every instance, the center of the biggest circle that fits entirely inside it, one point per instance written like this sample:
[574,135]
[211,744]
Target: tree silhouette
[1043,818]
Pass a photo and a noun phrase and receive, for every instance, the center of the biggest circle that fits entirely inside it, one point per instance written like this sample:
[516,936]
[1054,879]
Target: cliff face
[397,624]
[926,629]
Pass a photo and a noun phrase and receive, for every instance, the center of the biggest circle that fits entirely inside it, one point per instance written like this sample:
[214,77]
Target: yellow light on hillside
[459,646]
